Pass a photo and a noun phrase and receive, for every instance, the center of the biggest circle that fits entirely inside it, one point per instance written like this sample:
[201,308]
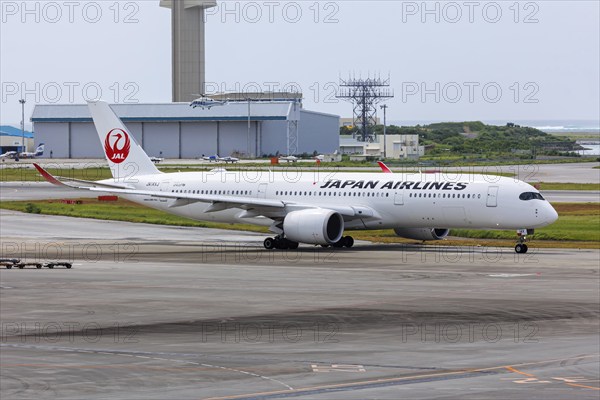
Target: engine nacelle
[314,226]
[422,233]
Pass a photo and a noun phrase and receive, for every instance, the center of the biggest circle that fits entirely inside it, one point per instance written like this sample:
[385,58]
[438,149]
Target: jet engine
[422,233]
[314,226]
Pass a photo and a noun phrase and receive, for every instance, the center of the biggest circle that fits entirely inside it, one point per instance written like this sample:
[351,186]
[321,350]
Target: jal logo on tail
[116,145]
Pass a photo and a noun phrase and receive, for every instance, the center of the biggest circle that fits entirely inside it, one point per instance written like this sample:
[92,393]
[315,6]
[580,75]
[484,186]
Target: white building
[396,146]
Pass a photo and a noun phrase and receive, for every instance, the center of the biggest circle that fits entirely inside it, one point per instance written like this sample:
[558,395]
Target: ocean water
[591,148]
[550,126]
[570,126]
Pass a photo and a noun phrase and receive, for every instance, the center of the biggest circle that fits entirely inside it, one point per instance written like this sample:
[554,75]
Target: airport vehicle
[315,207]
[37,153]
[206,102]
[9,263]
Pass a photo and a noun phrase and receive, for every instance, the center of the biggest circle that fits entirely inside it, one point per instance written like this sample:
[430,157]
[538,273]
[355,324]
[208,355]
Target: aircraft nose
[551,214]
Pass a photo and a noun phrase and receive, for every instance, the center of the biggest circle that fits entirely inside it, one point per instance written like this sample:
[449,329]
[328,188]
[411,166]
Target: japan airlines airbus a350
[315,207]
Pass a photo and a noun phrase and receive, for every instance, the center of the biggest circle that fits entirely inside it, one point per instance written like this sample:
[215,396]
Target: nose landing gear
[521,247]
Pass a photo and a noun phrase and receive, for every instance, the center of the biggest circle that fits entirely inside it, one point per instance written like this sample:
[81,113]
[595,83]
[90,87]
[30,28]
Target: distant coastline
[549,126]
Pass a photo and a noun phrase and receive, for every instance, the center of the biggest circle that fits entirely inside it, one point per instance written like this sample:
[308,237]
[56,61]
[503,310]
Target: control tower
[187,26]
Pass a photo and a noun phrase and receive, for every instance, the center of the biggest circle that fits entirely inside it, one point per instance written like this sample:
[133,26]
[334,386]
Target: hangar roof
[7,130]
[234,111]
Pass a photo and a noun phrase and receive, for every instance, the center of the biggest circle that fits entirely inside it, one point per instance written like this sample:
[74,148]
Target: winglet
[47,176]
[384,167]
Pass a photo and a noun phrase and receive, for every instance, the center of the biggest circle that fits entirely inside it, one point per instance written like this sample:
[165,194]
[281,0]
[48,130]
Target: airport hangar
[176,130]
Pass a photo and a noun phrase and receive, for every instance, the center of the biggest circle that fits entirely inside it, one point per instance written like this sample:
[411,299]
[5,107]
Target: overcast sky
[447,61]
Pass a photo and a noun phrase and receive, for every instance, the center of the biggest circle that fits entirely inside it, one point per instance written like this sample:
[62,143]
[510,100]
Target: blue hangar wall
[175,130]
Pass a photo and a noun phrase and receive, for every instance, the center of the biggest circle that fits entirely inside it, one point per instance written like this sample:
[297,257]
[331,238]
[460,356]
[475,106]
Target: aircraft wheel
[282,244]
[8,266]
[348,241]
[339,243]
[269,243]
[521,248]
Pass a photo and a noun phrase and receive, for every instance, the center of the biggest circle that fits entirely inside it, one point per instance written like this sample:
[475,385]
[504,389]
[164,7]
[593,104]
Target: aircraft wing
[267,207]
[73,183]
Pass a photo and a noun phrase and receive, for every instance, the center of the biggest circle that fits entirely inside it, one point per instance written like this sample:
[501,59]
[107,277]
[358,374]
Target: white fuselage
[389,200]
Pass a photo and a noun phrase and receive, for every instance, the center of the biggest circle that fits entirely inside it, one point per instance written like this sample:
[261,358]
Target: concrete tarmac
[160,312]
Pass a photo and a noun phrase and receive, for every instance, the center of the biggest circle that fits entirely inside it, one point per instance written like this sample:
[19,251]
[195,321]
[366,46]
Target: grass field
[578,224]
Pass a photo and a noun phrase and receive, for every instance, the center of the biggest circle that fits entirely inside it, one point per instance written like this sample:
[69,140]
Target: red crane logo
[117,145]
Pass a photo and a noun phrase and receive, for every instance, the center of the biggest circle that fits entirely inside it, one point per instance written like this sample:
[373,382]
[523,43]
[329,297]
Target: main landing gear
[345,241]
[521,247]
[280,243]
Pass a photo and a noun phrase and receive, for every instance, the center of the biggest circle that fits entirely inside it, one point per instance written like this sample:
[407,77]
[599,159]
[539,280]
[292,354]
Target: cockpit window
[530,196]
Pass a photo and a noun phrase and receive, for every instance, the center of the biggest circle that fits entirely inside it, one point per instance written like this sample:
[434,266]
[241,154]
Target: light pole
[384,108]
[22,101]
[248,139]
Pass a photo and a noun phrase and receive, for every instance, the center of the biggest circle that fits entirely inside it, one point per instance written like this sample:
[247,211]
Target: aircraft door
[262,191]
[492,196]
[399,198]
[165,186]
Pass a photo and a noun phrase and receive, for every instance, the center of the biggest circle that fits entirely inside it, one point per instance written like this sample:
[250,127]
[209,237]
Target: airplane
[206,102]
[321,157]
[9,154]
[228,159]
[216,158]
[315,208]
[157,160]
[289,158]
[38,152]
